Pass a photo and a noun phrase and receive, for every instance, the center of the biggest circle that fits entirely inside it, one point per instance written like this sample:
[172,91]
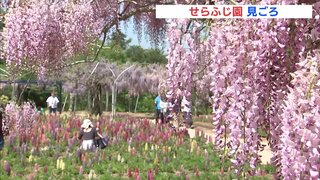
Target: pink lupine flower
[31,176]
[138,177]
[66,135]
[35,168]
[150,175]
[137,173]
[70,143]
[7,168]
[80,170]
[89,163]
[187,177]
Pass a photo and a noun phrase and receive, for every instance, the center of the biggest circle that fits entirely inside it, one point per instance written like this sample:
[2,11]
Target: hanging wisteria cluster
[45,35]
[250,68]
[300,136]
[21,119]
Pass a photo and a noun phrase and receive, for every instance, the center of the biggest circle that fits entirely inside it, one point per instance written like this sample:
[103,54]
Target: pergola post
[60,96]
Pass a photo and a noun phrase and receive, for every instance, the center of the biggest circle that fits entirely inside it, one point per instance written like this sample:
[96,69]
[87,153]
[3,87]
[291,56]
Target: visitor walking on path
[159,114]
[52,102]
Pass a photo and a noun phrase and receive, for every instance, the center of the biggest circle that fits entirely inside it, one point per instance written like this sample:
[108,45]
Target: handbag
[102,142]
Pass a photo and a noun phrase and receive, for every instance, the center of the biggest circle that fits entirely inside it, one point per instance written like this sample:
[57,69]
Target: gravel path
[266,154]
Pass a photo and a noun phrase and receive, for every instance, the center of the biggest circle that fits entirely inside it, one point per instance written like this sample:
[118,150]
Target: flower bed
[137,149]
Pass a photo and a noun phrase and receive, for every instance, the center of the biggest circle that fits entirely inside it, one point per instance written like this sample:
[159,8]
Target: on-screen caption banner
[233,11]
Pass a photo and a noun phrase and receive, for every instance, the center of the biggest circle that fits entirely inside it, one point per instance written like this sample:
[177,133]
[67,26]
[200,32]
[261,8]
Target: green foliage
[114,50]
[117,49]
[1,19]
[148,56]
[119,39]
[4,99]
[114,54]
[136,54]
[155,56]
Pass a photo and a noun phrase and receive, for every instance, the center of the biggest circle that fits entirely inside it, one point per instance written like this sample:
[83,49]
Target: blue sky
[130,32]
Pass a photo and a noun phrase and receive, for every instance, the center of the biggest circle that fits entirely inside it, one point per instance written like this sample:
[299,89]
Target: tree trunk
[135,108]
[19,91]
[96,104]
[107,101]
[89,101]
[13,94]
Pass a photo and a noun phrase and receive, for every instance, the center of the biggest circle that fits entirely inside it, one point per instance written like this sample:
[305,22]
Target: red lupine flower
[45,169]
[197,132]
[221,171]
[137,172]
[129,173]
[196,171]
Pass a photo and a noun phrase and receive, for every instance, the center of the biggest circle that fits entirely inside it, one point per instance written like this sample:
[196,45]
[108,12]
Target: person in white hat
[88,133]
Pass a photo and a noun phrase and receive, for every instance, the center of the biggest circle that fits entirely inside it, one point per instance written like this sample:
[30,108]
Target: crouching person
[88,133]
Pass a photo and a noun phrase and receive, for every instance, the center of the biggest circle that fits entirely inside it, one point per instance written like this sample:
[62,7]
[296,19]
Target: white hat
[86,123]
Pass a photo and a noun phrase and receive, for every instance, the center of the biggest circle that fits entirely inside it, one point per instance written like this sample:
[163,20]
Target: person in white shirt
[52,102]
[164,110]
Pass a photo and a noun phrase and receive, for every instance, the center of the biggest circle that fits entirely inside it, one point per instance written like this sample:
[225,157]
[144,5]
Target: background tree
[115,47]
[155,56]
[149,56]
[136,54]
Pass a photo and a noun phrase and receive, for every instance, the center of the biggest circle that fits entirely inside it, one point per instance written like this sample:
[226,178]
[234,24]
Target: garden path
[266,154]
